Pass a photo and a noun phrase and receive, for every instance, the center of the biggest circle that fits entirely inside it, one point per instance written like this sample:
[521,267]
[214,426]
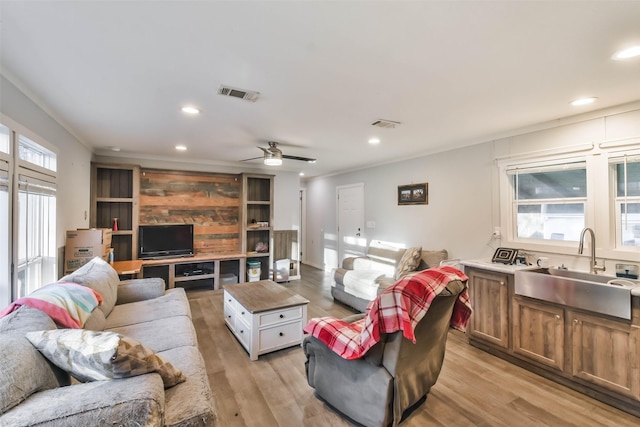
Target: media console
[198,271]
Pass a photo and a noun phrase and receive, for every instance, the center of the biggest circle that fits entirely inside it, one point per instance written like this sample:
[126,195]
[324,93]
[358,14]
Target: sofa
[35,391]
[361,279]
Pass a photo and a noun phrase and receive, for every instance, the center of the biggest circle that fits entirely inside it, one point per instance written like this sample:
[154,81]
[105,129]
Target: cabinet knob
[242,331]
[281,334]
[501,283]
[282,316]
[575,321]
[557,317]
[242,313]
[229,316]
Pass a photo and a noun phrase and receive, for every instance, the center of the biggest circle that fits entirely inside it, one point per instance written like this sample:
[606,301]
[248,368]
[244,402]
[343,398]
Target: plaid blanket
[398,308]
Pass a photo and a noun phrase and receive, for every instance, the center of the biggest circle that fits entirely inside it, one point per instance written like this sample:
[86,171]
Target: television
[165,241]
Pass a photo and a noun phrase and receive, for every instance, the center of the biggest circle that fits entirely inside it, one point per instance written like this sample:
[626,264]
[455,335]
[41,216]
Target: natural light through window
[627,200]
[36,154]
[549,201]
[4,139]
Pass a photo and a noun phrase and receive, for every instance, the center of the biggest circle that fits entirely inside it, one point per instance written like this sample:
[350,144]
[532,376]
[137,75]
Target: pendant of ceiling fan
[273,156]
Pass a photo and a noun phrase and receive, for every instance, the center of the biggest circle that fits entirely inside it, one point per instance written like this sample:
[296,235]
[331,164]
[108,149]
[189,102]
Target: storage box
[281,270]
[84,244]
[228,279]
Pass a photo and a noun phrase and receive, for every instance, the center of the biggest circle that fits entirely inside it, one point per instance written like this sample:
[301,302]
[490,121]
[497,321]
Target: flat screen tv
[165,241]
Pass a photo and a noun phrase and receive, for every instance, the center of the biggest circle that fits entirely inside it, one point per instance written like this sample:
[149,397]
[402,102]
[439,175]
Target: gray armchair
[393,376]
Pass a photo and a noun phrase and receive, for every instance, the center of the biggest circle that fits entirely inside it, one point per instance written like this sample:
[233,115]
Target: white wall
[464,200]
[457,217]
[74,158]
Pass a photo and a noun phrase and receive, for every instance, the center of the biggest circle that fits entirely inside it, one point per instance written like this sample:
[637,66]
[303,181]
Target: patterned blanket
[68,304]
[398,308]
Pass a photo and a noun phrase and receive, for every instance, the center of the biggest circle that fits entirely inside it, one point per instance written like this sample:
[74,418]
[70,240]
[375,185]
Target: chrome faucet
[594,267]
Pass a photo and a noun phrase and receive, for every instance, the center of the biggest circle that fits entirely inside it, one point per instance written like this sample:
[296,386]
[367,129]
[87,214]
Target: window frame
[508,204]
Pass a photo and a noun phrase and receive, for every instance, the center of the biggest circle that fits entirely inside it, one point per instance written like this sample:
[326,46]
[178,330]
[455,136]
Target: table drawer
[280,336]
[230,301]
[279,316]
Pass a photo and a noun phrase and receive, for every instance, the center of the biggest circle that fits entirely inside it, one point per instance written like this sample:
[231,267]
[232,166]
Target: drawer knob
[229,316]
[557,317]
[281,334]
[243,313]
[282,316]
[242,331]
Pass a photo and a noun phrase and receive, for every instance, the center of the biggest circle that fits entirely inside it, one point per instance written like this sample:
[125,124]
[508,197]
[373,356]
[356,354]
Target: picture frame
[413,194]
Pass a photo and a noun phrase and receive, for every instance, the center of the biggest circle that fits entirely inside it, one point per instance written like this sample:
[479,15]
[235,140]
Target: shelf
[258,202]
[257,254]
[194,277]
[122,233]
[114,200]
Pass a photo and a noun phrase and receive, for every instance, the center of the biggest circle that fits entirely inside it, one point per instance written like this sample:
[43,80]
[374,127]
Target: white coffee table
[264,316]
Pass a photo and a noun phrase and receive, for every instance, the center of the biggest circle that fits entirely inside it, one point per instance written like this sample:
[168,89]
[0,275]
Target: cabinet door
[538,332]
[605,352]
[490,301]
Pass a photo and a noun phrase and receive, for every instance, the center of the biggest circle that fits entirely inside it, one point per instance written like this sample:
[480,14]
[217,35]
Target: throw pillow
[95,356]
[68,304]
[409,261]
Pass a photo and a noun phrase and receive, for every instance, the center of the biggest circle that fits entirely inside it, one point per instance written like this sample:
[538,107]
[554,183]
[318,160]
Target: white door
[351,239]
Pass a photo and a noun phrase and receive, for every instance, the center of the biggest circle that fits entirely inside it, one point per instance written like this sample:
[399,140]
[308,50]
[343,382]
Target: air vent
[247,95]
[385,124]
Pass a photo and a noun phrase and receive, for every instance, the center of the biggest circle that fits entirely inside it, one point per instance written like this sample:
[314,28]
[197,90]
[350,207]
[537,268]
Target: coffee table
[264,316]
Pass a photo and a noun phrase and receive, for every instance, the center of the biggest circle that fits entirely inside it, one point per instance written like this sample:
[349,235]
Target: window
[36,154]
[549,201]
[5,270]
[5,139]
[36,234]
[626,172]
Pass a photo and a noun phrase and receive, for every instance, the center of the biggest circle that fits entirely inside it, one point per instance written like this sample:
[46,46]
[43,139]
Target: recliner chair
[393,376]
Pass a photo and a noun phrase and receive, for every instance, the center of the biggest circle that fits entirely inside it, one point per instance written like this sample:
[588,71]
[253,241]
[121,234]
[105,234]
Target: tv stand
[196,271]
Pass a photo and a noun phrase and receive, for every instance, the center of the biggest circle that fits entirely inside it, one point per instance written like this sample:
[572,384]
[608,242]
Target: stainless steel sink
[592,292]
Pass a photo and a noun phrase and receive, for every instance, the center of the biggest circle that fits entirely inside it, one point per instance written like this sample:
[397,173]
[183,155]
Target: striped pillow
[409,261]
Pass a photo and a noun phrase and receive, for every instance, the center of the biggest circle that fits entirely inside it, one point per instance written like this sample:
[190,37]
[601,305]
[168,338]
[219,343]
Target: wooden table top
[264,295]
[127,267]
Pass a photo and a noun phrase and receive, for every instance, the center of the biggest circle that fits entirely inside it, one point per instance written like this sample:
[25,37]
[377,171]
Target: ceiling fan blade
[302,159]
[253,158]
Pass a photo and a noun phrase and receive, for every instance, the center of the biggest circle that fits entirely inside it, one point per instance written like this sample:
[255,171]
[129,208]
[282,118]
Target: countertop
[486,264]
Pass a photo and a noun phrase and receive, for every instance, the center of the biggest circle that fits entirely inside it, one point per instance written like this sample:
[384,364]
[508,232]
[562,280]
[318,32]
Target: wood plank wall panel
[210,201]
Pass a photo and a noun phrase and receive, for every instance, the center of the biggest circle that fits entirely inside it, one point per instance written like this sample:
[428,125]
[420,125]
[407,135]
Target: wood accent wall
[210,201]
[285,244]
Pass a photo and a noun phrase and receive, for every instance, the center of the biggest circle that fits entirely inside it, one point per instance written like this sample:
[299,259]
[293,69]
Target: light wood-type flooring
[474,388]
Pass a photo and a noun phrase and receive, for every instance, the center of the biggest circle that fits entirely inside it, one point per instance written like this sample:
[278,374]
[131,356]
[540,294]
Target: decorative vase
[115,224]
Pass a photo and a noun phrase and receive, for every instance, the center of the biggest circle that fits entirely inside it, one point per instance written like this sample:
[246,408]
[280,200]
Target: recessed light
[374,141]
[301,173]
[181,148]
[583,101]
[190,110]
[630,52]
[115,148]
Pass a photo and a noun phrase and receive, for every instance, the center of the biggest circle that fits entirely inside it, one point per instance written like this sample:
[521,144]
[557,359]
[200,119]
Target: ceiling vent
[388,124]
[247,95]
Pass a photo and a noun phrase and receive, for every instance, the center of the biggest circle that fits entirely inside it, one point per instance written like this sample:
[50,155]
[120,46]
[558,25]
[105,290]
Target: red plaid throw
[398,308]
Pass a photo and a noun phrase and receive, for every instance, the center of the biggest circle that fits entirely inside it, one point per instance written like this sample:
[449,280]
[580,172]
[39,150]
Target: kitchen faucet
[594,267]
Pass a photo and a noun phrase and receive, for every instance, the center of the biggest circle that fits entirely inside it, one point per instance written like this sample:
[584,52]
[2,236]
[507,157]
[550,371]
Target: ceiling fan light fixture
[272,156]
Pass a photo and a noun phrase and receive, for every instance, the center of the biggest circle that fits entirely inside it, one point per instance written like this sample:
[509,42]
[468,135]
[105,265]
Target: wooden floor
[474,388]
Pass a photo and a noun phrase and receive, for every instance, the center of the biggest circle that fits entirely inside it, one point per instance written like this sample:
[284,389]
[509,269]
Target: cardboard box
[82,245]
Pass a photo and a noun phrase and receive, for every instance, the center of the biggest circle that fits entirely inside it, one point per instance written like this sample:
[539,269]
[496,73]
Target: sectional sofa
[34,391]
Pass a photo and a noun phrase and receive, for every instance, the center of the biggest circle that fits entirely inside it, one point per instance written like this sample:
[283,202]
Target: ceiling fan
[273,156]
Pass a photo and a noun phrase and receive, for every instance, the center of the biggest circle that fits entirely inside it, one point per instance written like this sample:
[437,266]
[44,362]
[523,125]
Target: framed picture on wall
[413,194]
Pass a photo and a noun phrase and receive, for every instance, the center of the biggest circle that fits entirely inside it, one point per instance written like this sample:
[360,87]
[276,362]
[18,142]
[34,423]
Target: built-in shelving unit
[114,194]
[257,220]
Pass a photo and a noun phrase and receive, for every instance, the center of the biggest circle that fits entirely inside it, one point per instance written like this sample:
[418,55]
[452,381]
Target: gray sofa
[35,392]
[361,279]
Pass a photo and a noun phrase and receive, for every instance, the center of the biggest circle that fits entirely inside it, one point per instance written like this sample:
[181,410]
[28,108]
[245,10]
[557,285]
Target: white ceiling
[115,73]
